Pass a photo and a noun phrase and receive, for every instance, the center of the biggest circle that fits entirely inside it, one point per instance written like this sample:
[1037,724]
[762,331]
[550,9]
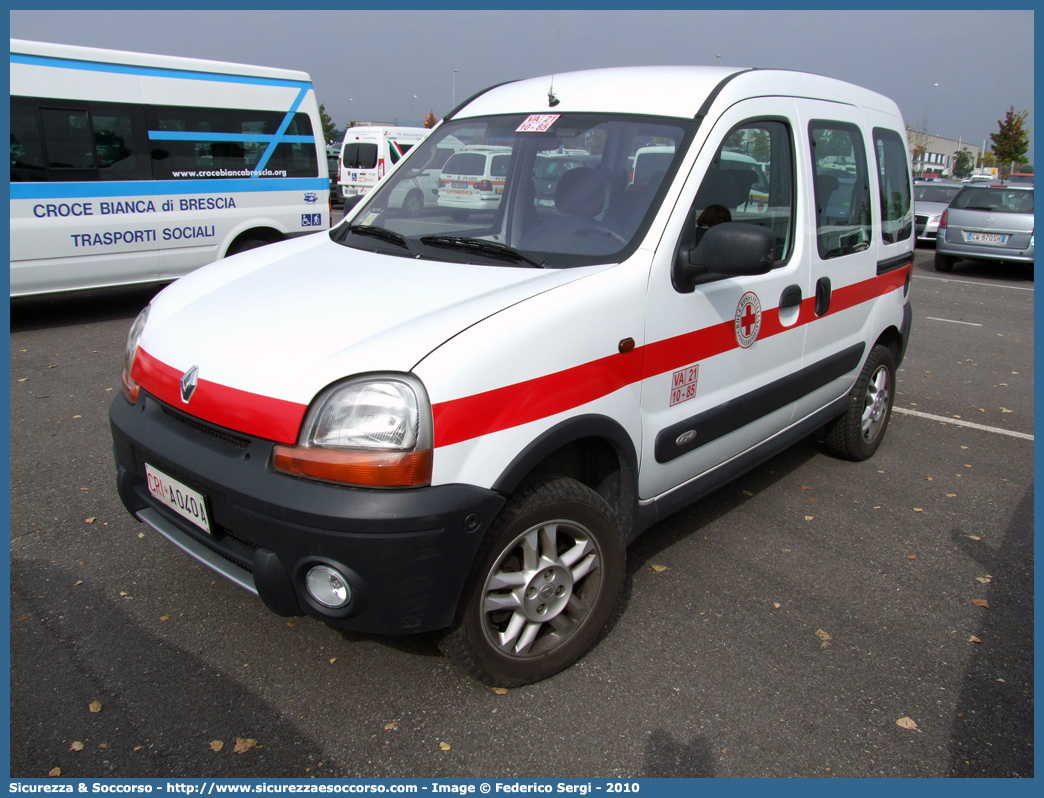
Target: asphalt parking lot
[780,627]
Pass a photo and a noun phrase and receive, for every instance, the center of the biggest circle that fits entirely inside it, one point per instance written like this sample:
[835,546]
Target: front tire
[414,203]
[544,584]
[856,434]
[944,263]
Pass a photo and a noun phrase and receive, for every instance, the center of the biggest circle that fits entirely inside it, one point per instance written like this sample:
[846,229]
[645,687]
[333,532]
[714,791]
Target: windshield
[569,194]
[935,193]
[996,199]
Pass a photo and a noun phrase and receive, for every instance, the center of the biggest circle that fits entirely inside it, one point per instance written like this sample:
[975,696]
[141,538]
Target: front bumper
[406,553]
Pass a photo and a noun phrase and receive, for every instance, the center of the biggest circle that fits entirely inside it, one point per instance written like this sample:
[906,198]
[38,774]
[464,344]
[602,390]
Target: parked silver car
[987,222]
[930,200]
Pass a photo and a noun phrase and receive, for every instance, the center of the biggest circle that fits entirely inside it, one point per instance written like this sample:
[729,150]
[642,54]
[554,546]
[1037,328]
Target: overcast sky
[388,65]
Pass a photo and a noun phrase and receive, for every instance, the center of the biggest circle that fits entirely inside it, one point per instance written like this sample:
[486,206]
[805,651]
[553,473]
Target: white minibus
[134,168]
[368,152]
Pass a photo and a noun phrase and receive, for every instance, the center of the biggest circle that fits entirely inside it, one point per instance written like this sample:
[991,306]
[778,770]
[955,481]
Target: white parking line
[970,282]
[957,422]
[952,321]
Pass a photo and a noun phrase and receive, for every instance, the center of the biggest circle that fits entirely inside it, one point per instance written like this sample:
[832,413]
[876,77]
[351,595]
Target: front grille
[216,434]
[241,541]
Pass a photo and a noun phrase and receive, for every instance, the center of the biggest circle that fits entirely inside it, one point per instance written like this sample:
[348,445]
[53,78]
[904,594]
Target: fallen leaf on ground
[809,517]
[659,568]
[444,746]
[77,416]
[822,635]
[76,746]
[54,772]
[138,747]
[973,537]
[244,744]
[1005,410]
[1002,681]
[94,706]
[981,603]
[103,745]
[89,520]
[812,499]
[333,660]
[809,487]
[974,639]
[967,465]
[918,509]
[164,617]
[951,495]
[22,379]
[77,583]
[216,745]
[984,579]
[747,493]
[500,690]
[24,618]
[390,726]
[907,723]
[777,605]
[911,556]
[141,534]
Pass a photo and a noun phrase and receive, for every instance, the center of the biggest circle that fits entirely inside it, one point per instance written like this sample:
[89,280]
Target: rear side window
[894,179]
[499,167]
[397,150]
[27,158]
[67,136]
[842,188]
[359,155]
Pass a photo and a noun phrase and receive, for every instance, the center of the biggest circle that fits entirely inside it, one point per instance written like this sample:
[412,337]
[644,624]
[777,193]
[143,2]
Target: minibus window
[360,155]
[118,143]
[67,136]
[27,161]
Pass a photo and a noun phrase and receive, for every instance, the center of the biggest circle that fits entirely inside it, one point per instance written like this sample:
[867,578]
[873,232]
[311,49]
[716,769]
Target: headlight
[130,387]
[373,431]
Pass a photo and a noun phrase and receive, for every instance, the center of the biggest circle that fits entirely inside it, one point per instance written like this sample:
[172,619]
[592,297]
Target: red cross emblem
[748,319]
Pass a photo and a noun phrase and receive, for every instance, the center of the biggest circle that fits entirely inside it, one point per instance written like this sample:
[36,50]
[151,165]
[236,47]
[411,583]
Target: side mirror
[730,248]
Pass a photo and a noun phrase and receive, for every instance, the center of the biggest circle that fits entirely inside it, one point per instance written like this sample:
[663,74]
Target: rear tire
[244,245]
[944,263]
[542,587]
[856,434]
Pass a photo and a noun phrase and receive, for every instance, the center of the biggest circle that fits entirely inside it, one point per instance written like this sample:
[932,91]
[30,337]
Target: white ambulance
[369,152]
[135,168]
[420,424]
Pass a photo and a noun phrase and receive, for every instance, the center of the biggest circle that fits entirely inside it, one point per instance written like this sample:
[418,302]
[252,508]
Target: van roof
[672,91]
[98,55]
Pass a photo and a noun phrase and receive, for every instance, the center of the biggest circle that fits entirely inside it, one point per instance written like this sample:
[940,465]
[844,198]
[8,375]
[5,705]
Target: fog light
[328,587]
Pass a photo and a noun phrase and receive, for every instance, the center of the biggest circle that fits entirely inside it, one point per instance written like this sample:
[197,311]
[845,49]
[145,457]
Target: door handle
[791,297]
[822,295]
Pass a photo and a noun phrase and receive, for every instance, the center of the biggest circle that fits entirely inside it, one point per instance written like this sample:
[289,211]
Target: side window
[751,180]
[67,137]
[120,142]
[894,179]
[27,158]
[842,188]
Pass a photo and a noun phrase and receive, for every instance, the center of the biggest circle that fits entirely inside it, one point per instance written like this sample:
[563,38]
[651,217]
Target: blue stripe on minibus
[261,164]
[177,135]
[155,72]
[142,188]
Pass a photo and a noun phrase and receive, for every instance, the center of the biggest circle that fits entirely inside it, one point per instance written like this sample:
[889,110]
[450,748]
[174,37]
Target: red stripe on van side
[260,416]
[483,413]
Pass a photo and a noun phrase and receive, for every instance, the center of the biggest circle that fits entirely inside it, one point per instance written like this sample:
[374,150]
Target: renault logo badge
[188,383]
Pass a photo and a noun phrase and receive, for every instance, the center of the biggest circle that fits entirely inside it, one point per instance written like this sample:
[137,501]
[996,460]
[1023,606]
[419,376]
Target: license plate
[178,497]
[458,184]
[986,238]
[547,203]
[349,192]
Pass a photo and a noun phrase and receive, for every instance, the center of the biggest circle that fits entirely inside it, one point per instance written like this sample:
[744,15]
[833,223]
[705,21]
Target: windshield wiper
[481,246]
[383,234]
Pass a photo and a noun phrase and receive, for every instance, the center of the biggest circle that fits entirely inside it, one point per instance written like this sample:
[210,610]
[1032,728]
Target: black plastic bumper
[406,553]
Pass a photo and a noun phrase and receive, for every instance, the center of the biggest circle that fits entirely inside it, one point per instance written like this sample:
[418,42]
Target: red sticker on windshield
[537,123]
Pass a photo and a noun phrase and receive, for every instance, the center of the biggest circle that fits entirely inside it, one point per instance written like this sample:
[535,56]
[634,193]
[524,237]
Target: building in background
[933,155]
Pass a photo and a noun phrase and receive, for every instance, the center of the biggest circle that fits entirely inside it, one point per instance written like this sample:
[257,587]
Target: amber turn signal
[365,469]
[130,388]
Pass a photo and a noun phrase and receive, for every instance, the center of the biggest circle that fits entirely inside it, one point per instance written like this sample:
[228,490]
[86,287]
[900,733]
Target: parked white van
[367,153]
[467,422]
[135,168]
[473,180]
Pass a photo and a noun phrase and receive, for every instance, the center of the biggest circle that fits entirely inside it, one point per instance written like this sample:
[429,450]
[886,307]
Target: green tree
[962,164]
[329,128]
[1012,140]
[762,147]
